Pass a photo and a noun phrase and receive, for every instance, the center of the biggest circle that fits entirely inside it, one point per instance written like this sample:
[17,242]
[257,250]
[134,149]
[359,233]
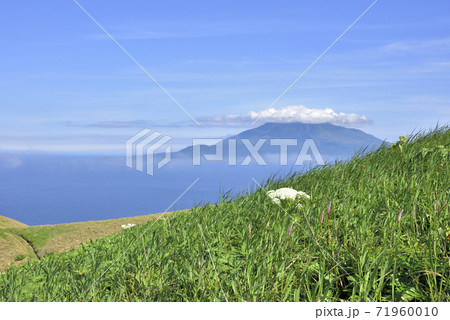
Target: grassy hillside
[20,243]
[6,222]
[376,228]
[13,249]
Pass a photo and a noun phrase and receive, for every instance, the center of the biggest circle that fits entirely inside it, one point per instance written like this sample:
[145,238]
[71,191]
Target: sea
[41,189]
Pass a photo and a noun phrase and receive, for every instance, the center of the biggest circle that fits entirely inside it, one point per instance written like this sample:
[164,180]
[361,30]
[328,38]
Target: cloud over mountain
[287,114]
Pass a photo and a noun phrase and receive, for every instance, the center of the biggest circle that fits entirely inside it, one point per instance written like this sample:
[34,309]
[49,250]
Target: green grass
[361,252]
[20,257]
[15,237]
[39,236]
[3,234]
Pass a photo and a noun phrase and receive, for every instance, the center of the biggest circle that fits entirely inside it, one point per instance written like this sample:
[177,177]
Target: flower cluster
[126,226]
[286,193]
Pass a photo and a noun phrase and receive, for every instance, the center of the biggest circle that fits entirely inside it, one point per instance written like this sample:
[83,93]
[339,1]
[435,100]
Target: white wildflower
[276,200]
[126,226]
[286,193]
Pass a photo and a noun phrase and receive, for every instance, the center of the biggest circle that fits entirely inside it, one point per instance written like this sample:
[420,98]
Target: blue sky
[65,86]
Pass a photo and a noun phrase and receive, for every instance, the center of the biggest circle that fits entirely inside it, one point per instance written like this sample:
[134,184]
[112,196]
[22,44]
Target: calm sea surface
[46,189]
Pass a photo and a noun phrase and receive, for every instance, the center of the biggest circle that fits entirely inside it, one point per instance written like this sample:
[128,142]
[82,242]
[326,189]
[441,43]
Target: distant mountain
[332,141]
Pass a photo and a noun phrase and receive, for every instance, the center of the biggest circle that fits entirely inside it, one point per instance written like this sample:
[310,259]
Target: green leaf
[425,151]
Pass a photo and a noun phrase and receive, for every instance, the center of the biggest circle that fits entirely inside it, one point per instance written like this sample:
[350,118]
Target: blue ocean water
[50,189]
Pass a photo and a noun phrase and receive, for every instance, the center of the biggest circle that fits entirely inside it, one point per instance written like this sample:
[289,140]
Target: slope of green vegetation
[376,228]
[19,240]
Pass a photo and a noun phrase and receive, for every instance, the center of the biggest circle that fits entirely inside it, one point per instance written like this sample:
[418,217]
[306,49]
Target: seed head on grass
[399,215]
[290,229]
[329,209]
[443,205]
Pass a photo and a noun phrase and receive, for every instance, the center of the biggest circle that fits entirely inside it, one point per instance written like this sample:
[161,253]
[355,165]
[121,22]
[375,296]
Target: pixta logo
[142,147]
[253,151]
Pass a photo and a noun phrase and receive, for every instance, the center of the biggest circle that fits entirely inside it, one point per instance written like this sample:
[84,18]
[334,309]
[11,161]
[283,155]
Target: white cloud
[287,115]
[120,124]
[423,46]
